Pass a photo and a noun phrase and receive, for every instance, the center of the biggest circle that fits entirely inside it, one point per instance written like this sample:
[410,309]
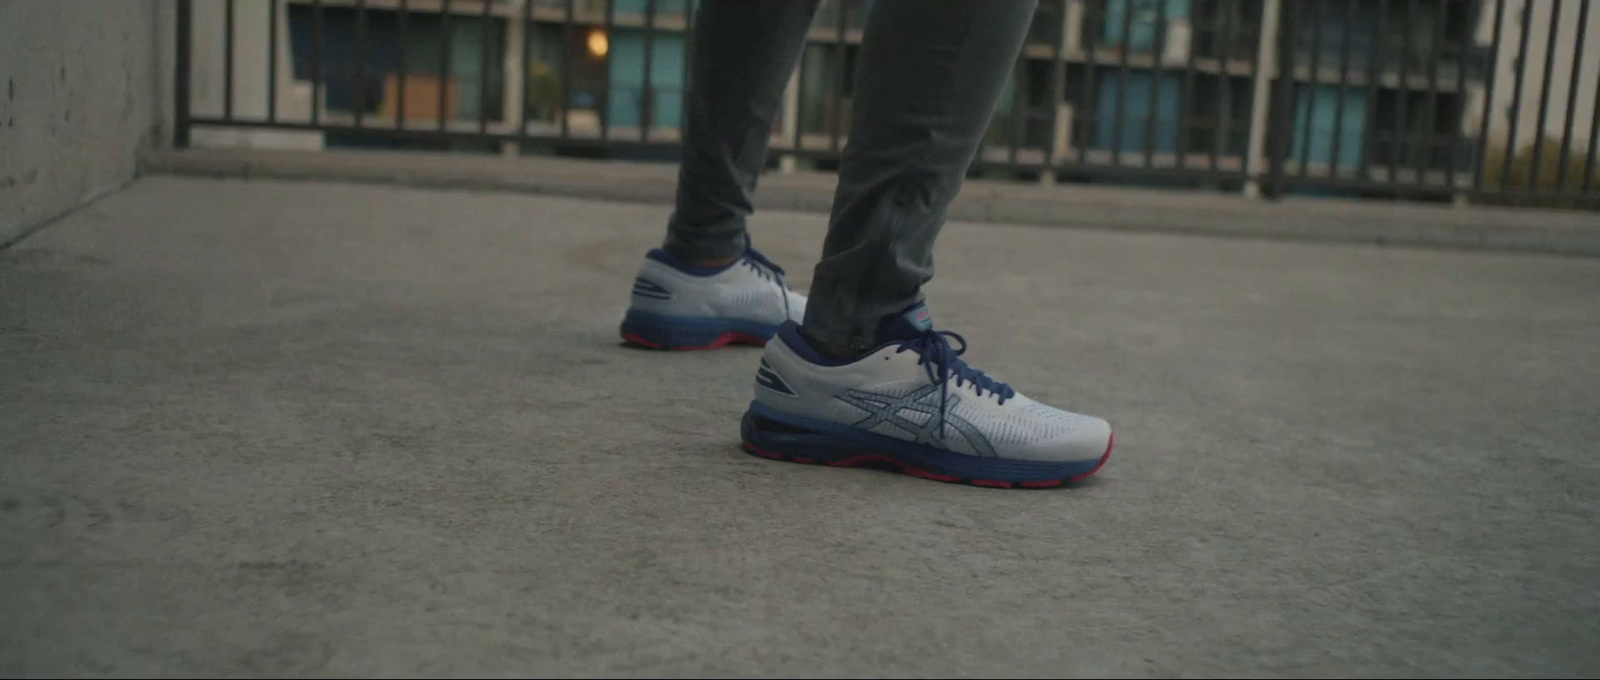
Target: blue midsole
[802,437]
[689,331]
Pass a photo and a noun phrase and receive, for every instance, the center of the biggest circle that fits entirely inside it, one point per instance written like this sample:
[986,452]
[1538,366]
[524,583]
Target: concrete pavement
[262,428]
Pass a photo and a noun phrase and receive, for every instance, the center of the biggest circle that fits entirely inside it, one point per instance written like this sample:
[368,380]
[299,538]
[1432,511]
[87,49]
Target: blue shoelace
[943,364]
[767,269]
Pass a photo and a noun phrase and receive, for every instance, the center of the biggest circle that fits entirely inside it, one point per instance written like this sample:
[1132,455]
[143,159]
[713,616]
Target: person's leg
[867,380]
[743,55]
[929,77]
[706,287]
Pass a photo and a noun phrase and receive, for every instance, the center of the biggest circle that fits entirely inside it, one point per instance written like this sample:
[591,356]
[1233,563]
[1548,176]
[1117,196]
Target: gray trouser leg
[743,54]
[929,76]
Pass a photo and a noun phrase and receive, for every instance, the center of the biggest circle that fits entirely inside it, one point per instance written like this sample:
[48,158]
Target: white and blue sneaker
[679,306]
[913,405]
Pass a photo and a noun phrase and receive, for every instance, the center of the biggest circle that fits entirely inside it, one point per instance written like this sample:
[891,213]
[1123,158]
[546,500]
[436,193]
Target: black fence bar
[1224,114]
[403,32]
[361,61]
[525,30]
[1186,98]
[647,99]
[486,21]
[316,61]
[1280,123]
[1572,98]
[1018,104]
[184,39]
[1159,46]
[1491,67]
[1345,35]
[1459,111]
[1058,76]
[444,74]
[227,59]
[1439,27]
[1090,74]
[838,77]
[272,61]
[1544,94]
[799,99]
[1312,83]
[1594,141]
[688,51]
[1397,145]
[567,50]
[1228,85]
[1369,142]
[1247,160]
[605,92]
[1122,84]
[1516,96]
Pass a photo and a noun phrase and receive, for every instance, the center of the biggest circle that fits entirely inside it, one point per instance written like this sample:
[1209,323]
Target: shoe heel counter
[775,383]
[656,289]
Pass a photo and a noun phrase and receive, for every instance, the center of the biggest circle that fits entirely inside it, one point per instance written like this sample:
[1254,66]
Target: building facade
[1338,96]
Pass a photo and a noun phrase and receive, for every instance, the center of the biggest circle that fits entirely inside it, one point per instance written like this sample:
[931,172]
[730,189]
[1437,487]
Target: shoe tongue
[906,325]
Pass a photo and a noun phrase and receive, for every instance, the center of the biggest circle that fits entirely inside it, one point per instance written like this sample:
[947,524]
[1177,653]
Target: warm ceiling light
[599,44]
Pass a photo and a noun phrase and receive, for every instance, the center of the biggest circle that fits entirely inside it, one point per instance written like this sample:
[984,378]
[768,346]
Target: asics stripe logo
[769,378]
[643,287]
[886,409]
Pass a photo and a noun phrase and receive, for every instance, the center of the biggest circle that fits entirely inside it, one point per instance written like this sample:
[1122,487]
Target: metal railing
[1473,100]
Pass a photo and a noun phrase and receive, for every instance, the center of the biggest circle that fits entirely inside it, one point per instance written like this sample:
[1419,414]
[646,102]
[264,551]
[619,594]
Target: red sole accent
[1111,440]
[734,338]
[914,471]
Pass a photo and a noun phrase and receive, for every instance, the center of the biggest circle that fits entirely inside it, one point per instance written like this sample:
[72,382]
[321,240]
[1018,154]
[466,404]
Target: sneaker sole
[683,333]
[777,436]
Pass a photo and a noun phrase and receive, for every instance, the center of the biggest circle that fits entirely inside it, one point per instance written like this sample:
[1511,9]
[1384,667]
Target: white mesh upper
[737,292]
[1022,423]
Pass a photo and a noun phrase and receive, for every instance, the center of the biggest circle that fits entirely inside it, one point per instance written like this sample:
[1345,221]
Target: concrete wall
[80,94]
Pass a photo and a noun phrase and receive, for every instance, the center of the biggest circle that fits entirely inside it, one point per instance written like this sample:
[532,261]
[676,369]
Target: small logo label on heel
[768,377]
[644,287]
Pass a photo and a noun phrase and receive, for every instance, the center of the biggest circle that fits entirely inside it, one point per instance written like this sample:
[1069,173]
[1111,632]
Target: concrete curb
[1302,219]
